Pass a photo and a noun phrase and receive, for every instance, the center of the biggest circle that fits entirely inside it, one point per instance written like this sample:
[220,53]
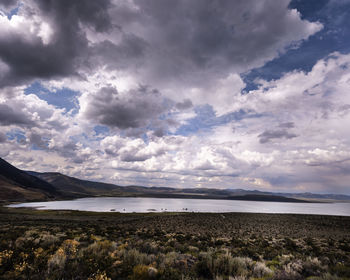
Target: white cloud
[147,76]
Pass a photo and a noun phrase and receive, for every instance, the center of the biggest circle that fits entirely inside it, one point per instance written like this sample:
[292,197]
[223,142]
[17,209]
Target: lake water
[143,205]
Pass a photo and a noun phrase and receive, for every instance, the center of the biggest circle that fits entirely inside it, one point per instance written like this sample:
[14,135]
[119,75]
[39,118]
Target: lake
[144,205]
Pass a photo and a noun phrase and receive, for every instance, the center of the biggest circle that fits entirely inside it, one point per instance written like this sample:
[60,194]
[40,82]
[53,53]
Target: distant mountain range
[19,185]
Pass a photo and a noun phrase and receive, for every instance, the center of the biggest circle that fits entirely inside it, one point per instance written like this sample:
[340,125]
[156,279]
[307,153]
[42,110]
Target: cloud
[45,40]
[30,111]
[274,134]
[269,135]
[3,138]
[310,105]
[35,138]
[163,81]
[128,54]
[185,104]
[9,116]
[286,125]
[191,50]
[213,38]
[136,150]
[128,110]
[194,50]
[8,4]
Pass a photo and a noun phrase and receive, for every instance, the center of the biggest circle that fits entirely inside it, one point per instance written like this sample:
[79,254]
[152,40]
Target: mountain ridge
[22,185]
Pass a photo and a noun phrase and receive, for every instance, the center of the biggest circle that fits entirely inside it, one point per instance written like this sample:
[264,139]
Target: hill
[18,185]
[81,188]
[265,197]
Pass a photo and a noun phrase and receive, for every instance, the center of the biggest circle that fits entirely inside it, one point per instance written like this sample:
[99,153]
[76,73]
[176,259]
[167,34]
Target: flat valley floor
[85,245]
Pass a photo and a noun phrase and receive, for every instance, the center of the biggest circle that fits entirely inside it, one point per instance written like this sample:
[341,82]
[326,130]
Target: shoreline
[38,210]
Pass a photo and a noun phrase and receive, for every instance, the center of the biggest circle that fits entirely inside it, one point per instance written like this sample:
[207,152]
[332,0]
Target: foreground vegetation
[82,245]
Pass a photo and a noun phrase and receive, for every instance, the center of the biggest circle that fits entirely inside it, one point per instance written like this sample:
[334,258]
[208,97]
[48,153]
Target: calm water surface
[142,205]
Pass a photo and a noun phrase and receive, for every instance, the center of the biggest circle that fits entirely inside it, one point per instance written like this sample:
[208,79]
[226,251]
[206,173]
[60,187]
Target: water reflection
[142,205]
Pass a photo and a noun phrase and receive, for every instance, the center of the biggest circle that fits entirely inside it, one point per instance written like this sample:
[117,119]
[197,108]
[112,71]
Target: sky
[251,94]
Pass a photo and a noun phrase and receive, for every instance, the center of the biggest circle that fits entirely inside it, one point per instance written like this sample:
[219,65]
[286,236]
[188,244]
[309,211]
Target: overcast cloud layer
[221,94]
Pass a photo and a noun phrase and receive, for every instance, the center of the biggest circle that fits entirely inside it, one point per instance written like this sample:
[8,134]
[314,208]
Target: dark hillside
[16,184]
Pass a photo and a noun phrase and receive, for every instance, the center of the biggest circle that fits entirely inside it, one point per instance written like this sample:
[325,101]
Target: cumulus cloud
[9,116]
[45,39]
[227,153]
[196,50]
[192,125]
[128,110]
[31,111]
[216,37]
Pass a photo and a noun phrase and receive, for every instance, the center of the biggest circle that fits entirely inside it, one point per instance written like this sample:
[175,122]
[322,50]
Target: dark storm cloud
[72,12]
[135,109]
[10,117]
[161,39]
[128,54]
[65,52]
[209,36]
[8,4]
[268,135]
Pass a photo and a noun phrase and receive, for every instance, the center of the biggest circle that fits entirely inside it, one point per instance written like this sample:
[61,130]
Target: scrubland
[84,245]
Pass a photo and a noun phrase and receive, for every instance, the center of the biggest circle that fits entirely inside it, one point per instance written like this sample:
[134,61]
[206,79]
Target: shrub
[290,271]
[325,276]
[169,273]
[340,270]
[46,239]
[101,248]
[203,269]
[134,257]
[224,265]
[57,262]
[312,267]
[5,256]
[261,270]
[70,247]
[143,272]
[99,276]
[240,266]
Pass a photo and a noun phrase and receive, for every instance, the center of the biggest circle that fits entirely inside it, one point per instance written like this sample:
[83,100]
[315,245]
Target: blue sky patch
[101,130]
[206,119]
[62,98]
[16,134]
[13,11]
[335,36]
